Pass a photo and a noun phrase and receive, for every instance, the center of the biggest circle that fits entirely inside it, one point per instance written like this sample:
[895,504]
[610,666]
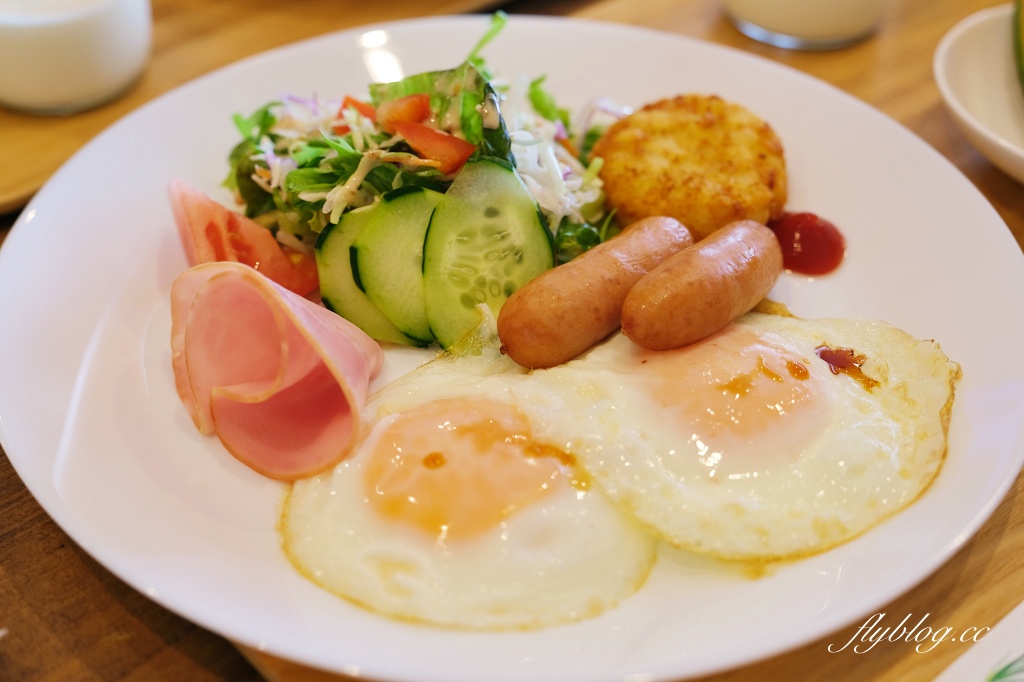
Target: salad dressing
[489,112]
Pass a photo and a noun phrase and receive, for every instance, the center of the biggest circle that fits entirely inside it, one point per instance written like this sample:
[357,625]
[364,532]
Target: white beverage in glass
[806,24]
[62,56]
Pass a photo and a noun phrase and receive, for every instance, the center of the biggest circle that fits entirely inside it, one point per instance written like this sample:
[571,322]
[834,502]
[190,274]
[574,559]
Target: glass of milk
[806,24]
[63,56]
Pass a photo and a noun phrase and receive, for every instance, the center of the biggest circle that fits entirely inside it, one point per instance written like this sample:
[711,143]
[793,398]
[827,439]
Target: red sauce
[846,361]
[811,245]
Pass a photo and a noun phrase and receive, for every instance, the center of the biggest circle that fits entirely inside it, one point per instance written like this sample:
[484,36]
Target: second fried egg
[775,438]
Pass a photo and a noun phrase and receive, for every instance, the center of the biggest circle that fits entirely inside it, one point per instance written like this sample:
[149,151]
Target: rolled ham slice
[282,381]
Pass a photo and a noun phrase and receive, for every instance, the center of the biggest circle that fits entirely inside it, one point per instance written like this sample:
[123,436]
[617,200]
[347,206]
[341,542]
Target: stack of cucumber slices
[416,266]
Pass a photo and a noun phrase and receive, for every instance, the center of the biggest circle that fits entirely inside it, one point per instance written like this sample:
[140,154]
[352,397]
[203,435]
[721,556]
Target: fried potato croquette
[699,159]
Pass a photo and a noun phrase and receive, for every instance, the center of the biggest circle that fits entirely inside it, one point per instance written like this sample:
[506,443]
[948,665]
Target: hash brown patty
[697,158]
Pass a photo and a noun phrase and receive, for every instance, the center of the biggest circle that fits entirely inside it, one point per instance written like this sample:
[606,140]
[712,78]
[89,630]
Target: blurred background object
[976,70]
[64,56]
[806,24]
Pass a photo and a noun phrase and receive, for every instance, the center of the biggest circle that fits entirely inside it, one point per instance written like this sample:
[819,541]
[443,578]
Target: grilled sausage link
[568,309]
[703,288]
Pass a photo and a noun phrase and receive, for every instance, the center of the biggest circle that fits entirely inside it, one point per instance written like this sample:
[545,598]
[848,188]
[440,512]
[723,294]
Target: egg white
[835,455]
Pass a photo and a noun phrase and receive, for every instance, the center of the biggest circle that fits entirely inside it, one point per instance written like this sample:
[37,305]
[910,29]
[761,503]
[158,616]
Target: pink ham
[280,380]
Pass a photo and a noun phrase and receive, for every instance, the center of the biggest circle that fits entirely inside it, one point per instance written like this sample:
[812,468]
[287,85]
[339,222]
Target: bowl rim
[940,66]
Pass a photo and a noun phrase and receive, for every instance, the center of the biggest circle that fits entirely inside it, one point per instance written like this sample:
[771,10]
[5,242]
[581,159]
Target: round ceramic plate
[91,421]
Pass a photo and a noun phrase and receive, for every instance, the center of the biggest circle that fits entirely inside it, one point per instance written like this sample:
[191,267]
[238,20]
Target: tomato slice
[450,151]
[412,108]
[364,109]
[212,232]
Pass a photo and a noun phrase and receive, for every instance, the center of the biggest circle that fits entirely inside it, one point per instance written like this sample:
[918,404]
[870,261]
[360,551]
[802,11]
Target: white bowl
[975,71]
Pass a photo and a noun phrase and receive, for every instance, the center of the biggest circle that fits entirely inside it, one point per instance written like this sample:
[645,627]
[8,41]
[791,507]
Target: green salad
[434,195]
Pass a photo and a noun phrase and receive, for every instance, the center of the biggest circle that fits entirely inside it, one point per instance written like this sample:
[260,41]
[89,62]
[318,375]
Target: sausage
[703,288]
[566,310]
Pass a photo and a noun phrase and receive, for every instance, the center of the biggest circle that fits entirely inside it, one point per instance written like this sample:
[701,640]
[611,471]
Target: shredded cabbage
[557,179]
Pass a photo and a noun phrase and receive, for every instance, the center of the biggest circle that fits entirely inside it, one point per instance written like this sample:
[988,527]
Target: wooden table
[67,618]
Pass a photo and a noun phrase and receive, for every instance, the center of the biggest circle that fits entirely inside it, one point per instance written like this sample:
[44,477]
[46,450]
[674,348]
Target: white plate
[91,422]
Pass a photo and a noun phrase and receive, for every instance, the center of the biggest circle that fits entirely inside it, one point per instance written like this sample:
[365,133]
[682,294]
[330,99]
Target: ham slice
[282,381]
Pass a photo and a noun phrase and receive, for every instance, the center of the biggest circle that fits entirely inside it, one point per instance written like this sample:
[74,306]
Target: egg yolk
[741,403]
[457,468]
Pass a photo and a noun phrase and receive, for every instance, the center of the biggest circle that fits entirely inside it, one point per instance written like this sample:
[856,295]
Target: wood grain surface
[190,38]
[64,617]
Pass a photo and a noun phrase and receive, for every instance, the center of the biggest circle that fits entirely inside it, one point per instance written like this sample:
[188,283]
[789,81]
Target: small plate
[976,74]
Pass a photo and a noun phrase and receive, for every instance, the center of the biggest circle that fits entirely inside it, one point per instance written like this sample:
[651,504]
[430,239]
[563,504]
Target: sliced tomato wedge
[449,151]
[364,109]
[411,108]
[212,232]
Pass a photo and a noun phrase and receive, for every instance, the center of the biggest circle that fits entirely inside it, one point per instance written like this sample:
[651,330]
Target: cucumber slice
[486,239]
[338,287]
[388,257]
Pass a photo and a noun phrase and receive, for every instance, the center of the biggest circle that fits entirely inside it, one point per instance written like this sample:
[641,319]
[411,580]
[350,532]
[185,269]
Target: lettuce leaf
[544,103]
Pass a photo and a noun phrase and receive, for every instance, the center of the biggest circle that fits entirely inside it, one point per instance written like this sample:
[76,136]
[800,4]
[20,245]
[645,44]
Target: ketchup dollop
[810,244]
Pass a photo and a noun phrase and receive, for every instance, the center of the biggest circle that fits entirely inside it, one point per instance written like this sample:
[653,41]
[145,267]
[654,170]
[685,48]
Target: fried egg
[456,510]
[775,438]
